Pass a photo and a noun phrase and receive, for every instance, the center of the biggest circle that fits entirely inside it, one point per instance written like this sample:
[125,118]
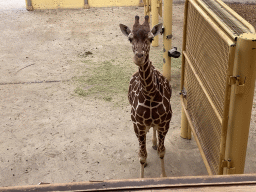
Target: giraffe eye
[130,39]
[151,39]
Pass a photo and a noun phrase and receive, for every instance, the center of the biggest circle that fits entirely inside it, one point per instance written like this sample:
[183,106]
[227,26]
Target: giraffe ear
[156,29]
[125,30]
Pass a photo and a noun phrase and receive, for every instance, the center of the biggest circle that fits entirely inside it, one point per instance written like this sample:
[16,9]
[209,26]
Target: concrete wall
[20,4]
[226,1]
[110,3]
[50,4]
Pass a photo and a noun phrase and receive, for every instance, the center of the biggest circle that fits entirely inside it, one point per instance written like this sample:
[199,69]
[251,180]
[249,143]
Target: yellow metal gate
[213,44]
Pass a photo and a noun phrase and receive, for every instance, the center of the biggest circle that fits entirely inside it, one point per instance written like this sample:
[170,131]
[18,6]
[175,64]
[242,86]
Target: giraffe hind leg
[154,140]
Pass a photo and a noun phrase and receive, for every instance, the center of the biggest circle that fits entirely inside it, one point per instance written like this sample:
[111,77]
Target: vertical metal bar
[141,3]
[184,121]
[155,20]
[184,43]
[241,100]
[86,4]
[146,7]
[189,132]
[166,38]
[232,49]
[186,130]
[29,6]
[184,125]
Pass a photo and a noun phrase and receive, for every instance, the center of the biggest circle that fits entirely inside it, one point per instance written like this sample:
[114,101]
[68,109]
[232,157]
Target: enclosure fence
[217,84]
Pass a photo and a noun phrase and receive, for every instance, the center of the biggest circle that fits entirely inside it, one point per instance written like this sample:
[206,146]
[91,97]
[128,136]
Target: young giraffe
[149,92]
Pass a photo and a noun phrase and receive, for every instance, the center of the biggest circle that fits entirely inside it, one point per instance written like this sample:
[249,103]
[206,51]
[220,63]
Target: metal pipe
[184,125]
[141,3]
[167,38]
[184,121]
[146,7]
[155,20]
[216,28]
[86,4]
[185,128]
[237,16]
[226,108]
[184,44]
[241,100]
[29,6]
[221,23]
[189,132]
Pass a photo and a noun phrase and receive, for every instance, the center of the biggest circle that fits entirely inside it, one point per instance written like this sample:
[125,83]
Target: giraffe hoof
[154,147]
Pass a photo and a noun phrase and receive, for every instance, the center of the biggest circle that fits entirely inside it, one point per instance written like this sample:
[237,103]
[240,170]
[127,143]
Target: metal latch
[239,89]
[174,53]
[227,165]
[183,94]
[169,36]
[224,163]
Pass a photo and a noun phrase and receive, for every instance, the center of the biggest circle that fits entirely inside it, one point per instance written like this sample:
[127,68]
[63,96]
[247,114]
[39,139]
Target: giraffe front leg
[141,135]
[161,151]
[162,167]
[142,154]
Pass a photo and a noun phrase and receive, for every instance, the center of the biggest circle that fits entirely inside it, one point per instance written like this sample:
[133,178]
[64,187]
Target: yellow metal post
[184,120]
[141,3]
[241,100]
[146,7]
[29,6]
[155,19]
[185,128]
[167,35]
[86,4]
[77,4]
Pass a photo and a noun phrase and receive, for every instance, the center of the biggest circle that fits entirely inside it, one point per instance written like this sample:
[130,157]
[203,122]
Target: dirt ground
[48,132]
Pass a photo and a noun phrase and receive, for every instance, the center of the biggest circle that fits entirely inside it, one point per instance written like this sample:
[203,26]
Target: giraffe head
[141,37]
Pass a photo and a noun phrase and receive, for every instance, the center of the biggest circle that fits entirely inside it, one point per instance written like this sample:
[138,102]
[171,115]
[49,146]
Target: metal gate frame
[240,38]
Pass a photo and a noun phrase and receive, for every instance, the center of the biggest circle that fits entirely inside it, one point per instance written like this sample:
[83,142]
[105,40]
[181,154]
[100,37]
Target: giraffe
[149,93]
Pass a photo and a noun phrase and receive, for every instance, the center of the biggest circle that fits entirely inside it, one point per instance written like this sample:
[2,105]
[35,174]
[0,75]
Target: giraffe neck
[147,78]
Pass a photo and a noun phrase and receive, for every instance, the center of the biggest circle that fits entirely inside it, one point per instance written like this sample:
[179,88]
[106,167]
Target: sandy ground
[48,133]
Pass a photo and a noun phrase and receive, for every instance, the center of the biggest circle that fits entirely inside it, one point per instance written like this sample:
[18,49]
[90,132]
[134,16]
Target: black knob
[174,53]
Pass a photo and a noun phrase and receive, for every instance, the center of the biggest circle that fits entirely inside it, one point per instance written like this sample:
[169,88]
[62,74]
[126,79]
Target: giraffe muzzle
[139,55]
[139,59]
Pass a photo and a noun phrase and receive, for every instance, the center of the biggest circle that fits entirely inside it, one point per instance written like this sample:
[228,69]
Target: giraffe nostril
[139,55]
